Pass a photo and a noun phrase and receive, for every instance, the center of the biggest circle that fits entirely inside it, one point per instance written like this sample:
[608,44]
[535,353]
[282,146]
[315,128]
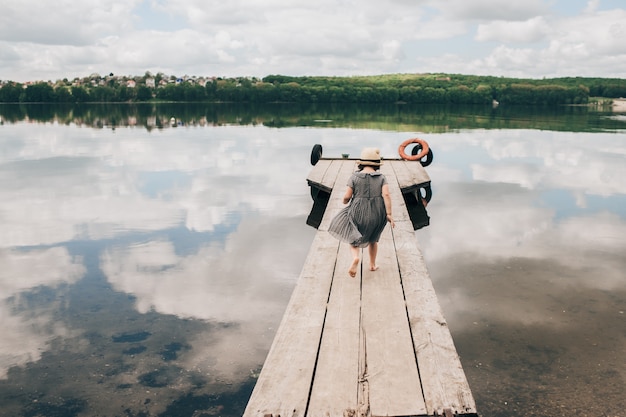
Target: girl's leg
[355,261]
[373,250]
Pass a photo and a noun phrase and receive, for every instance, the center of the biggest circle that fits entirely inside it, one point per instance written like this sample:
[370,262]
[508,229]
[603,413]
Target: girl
[361,223]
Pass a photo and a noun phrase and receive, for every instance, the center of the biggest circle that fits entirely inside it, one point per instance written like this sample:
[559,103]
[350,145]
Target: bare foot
[352,270]
[373,267]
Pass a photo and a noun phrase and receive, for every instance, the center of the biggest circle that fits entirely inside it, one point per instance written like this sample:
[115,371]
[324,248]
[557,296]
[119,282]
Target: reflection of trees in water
[423,118]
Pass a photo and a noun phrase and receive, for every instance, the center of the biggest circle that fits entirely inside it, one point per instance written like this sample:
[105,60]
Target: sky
[527,39]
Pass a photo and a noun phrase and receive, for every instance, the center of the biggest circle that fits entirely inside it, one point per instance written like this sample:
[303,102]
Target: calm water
[145,266]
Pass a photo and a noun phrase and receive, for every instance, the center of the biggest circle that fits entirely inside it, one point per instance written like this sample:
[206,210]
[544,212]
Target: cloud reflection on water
[500,210]
[526,251]
[65,184]
[243,284]
[199,235]
[27,329]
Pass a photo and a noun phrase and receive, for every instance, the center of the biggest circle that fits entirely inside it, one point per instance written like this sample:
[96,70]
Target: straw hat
[370,156]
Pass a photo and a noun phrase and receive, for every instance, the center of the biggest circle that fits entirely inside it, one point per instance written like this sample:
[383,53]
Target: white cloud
[592,6]
[437,29]
[599,34]
[392,50]
[484,10]
[257,38]
[585,45]
[65,22]
[531,30]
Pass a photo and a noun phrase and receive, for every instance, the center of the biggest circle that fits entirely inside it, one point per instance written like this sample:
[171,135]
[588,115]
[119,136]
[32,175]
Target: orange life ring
[417,157]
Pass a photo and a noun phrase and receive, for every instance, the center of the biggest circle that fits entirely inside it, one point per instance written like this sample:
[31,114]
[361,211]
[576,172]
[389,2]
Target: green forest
[392,88]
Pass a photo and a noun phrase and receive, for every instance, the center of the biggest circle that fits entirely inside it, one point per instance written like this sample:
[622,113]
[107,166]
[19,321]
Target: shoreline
[619,105]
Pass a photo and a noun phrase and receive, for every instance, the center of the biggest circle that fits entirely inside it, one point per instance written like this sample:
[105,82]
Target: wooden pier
[374,345]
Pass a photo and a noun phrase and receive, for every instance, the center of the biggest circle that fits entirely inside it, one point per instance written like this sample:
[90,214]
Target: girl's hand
[390,220]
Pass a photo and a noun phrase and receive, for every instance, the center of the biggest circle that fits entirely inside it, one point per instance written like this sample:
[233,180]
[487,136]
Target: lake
[148,252]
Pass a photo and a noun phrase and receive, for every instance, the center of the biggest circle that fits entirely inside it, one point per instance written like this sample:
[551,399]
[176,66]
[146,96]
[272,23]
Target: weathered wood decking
[374,345]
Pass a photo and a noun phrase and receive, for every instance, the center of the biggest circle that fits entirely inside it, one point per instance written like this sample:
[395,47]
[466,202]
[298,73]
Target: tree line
[396,88]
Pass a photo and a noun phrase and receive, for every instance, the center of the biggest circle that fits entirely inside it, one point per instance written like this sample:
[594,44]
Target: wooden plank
[443,380]
[391,369]
[403,175]
[331,174]
[420,176]
[334,390]
[334,387]
[398,205]
[410,174]
[285,381]
[324,173]
[316,175]
[345,169]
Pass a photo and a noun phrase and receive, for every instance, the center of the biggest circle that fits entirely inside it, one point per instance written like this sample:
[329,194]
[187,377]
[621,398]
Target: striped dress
[364,219]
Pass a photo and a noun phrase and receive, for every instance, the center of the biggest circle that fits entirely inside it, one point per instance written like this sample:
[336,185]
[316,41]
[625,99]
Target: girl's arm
[387,200]
[347,196]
